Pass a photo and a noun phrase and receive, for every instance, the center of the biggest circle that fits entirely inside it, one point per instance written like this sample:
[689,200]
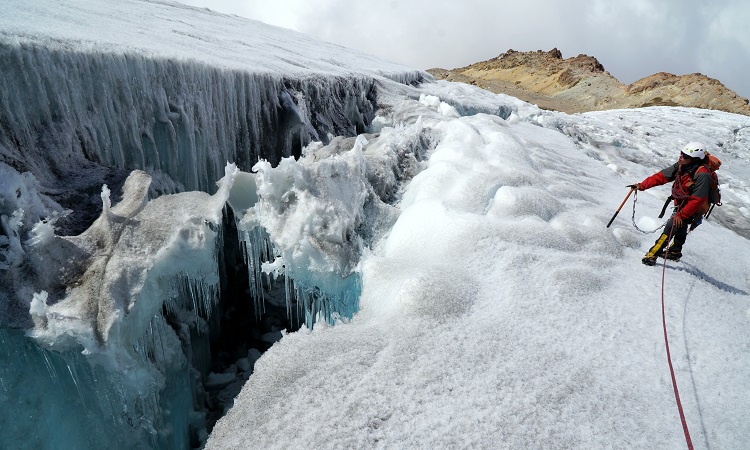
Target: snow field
[499,312]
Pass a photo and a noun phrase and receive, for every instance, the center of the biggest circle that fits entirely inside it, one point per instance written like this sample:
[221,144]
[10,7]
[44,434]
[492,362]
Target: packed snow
[498,311]
[445,247]
[164,29]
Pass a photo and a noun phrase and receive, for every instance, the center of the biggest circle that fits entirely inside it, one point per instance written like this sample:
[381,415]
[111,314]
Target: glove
[636,186]
[677,221]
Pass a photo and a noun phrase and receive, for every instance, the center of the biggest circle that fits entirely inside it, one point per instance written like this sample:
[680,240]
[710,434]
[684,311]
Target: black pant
[678,234]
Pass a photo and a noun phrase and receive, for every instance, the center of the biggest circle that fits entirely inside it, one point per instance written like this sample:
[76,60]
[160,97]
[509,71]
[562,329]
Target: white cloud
[632,40]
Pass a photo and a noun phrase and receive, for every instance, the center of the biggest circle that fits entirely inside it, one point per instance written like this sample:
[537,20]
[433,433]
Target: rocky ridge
[582,84]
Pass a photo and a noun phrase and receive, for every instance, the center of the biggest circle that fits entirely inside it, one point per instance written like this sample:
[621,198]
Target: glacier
[426,263]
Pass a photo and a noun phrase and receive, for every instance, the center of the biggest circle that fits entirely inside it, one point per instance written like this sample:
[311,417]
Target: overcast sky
[632,39]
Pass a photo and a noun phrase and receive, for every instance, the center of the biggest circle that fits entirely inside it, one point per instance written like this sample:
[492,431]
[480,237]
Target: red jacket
[690,189]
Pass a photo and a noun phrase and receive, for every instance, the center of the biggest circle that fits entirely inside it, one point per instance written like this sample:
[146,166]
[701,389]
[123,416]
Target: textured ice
[105,107]
[310,211]
[497,310]
[118,291]
[92,90]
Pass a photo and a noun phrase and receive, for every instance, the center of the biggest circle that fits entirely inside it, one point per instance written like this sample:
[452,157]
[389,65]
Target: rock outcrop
[582,84]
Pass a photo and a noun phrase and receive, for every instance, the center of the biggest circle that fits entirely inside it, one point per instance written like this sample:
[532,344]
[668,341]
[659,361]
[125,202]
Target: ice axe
[632,188]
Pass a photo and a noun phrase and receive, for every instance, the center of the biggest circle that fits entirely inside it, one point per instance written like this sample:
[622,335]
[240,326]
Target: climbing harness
[669,357]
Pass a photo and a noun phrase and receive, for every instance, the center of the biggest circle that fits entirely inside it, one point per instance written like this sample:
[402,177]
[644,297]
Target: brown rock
[582,84]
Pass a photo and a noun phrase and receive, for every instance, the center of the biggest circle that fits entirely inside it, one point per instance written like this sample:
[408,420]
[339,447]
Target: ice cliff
[117,119]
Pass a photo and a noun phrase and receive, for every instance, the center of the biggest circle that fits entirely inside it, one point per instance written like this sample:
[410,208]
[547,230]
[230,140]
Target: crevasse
[125,309]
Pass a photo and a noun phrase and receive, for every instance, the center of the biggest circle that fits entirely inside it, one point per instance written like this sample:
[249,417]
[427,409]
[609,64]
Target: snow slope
[499,312]
[165,29]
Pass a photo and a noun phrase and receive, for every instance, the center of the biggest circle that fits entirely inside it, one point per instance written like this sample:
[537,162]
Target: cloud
[632,39]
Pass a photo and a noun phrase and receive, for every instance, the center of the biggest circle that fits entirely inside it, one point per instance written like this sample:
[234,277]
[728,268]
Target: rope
[669,357]
[635,200]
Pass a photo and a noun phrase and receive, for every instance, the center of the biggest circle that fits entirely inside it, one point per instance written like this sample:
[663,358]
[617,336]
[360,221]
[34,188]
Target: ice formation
[108,112]
[115,294]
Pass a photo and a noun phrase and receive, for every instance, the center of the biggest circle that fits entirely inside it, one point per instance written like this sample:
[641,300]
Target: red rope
[666,343]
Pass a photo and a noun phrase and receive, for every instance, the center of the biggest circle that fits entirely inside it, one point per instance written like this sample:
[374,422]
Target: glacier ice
[121,313]
[112,228]
[181,119]
[124,319]
[75,118]
[304,227]
[136,293]
[58,398]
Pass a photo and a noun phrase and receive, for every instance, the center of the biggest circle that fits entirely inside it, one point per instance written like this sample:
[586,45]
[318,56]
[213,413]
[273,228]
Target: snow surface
[499,311]
[167,29]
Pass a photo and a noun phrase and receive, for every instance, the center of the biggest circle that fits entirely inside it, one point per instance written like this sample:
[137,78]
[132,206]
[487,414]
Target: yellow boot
[650,258]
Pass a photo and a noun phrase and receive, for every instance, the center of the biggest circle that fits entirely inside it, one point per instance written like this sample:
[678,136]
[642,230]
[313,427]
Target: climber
[691,190]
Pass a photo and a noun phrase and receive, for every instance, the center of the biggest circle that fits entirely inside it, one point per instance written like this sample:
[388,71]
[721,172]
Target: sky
[631,39]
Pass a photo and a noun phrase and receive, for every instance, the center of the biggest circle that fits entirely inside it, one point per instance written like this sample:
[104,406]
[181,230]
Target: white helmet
[695,150]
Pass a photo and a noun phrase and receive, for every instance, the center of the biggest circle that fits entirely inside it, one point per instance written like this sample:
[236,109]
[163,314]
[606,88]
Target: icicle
[50,367]
[194,296]
[106,203]
[336,299]
[255,250]
[290,294]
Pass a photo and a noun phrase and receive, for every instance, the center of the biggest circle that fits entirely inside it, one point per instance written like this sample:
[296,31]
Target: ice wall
[62,111]
[118,291]
[91,90]
[71,121]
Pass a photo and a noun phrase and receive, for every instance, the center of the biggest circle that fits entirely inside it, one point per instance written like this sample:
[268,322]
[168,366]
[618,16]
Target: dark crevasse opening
[247,326]
[255,308]
[67,400]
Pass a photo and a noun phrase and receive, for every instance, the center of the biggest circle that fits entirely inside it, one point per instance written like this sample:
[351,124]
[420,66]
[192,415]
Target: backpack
[714,196]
